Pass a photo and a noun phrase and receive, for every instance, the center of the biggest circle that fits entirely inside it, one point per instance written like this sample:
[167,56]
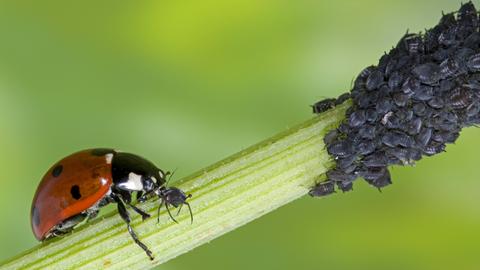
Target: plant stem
[226,195]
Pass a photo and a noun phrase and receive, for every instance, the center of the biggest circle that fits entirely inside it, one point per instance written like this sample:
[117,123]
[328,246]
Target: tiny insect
[374,80]
[395,80]
[428,73]
[76,187]
[473,63]
[357,118]
[322,189]
[323,105]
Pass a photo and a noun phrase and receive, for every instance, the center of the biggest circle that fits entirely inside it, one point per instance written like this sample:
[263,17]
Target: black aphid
[414,102]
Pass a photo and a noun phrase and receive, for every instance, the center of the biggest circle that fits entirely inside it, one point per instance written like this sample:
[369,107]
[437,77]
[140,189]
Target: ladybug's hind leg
[122,210]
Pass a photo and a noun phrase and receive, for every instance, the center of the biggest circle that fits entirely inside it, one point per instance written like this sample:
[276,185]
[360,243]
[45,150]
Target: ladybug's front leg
[126,217]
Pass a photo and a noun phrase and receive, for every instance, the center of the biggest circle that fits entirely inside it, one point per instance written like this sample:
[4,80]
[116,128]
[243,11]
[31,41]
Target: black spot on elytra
[75,191]
[57,170]
[35,216]
[102,151]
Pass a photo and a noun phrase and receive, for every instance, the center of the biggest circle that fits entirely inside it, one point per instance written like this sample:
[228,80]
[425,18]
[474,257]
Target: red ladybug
[77,186]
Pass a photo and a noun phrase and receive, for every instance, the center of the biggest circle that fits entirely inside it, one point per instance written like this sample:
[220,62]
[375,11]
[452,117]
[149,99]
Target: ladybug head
[175,197]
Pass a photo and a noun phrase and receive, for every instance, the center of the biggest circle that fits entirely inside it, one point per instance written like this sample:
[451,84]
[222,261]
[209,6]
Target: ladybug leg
[67,225]
[122,210]
[139,211]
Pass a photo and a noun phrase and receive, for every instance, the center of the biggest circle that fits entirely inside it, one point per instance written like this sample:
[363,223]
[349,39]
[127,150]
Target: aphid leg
[122,210]
[170,214]
[158,211]
[139,211]
[190,209]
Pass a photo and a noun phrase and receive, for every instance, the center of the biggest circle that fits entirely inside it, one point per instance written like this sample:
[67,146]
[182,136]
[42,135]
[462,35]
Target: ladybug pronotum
[76,187]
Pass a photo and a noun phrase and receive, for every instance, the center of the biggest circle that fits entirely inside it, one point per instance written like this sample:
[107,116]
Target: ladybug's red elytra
[76,187]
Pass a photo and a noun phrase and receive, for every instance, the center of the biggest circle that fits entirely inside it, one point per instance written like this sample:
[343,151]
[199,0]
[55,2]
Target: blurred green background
[186,83]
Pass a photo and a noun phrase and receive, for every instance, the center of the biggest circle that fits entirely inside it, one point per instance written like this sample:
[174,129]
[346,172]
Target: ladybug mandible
[76,187]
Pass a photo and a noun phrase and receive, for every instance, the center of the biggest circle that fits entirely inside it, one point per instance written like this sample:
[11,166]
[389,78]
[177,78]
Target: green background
[187,83]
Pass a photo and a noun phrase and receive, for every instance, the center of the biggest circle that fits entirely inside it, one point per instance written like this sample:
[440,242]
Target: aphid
[473,109]
[404,114]
[428,73]
[330,137]
[340,149]
[449,67]
[383,106]
[357,118]
[423,93]
[76,187]
[340,176]
[459,98]
[419,109]
[445,136]
[367,131]
[472,85]
[447,37]
[342,98]
[424,137]
[345,186]
[364,101]
[346,162]
[414,126]
[323,105]
[371,115]
[395,80]
[434,148]
[343,128]
[322,189]
[393,139]
[472,41]
[372,173]
[468,14]
[366,147]
[410,85]
[362,77]
[412,43]
[382,181]
[405,155]
[473,62]
[374,80]
[376,159]
[446,85]
[400,99]
[436,103]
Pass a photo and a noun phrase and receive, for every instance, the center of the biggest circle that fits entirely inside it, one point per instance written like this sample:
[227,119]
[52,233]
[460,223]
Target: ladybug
[76,187]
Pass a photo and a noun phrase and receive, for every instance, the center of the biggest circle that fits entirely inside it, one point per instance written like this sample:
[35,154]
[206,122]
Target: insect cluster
[415,101]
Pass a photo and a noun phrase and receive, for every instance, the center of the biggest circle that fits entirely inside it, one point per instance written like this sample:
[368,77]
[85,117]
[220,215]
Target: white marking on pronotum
[161,174]
[134,182]
[108,158]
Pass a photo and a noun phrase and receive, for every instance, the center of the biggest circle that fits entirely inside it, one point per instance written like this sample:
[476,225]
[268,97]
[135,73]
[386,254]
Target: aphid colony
[415,101]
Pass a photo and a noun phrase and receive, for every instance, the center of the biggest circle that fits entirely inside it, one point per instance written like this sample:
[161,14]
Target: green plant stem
[226,195]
